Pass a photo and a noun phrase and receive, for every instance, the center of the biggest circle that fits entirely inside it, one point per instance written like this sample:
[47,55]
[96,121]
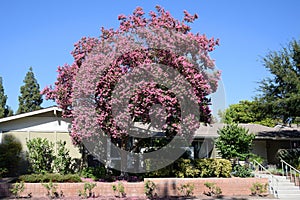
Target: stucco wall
[51,136]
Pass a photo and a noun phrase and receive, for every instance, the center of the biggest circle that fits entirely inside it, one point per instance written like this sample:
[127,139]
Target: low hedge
[213,167]
[184,168]
[44,178]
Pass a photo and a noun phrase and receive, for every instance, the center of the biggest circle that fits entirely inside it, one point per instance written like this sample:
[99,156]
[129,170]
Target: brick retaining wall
[165,187]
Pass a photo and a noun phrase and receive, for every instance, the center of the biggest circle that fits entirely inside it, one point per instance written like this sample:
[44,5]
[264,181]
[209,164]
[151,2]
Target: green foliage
[30,98]
[259,189]
[5,110]
[42,158]
[213,167]
[40,155]
[163,172]
[51,189]
[150,187]
[3,171]
[213,189]
[87,190]
[280,93]
[267,122]
[93,172]
[291,156]
[62,161]
[40,178]
[186,190]
[10,155]
[234,142]
[17,189]
[185,168]
[243,112]
[119,190]
[242,171]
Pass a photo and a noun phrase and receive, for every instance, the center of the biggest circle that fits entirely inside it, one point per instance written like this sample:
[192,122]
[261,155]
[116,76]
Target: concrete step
[289,196]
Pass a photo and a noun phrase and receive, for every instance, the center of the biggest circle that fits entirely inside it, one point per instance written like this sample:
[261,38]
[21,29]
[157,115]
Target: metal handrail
[292,171]
[272,187]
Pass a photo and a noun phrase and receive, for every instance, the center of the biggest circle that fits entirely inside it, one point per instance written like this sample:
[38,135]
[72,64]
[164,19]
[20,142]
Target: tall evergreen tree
[4,109]
[30,98]
[280,93]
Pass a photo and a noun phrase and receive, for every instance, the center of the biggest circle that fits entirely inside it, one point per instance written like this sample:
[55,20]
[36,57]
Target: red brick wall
[165,187]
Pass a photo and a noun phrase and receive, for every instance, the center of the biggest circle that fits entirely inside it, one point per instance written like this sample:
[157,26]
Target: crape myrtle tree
[30,98]
[5,110]
[280,93]
[156,46]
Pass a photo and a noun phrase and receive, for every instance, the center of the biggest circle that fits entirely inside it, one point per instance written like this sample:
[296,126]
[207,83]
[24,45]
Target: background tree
[30,98]
[234,142]
[246,112]
[5,110]
[280,94]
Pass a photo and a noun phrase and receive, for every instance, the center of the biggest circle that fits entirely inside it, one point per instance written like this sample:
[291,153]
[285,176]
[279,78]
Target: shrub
[62,161]
[186,190]
[93,172]
[10,155]
[163,172]
[234,142]
[40,155]
[185,168]
[150,187]
[259,189]
[42,158]
[51,189]
[242,171]
[17,189]
[213,189]
[87,187]
[213,167]
[291,156]
[119,189]
[40,178]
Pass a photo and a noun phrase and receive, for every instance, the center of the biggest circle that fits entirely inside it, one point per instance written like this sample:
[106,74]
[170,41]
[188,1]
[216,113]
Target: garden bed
[166,187]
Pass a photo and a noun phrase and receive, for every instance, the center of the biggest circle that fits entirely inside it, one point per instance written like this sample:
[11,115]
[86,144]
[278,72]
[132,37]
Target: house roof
[53,109]
[261,132]
[211,130]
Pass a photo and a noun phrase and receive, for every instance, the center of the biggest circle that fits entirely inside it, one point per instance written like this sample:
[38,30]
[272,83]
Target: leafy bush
[17,189]
[213,167]
[234,142]
[42,178]
[150,187]
[42,158]
[40,155]
[51,189]
[93,172]
[10,155]
[62,161]
[163,172]
[186,190]
[88,187]
[119,189]
[259,189]
[291,156]
[213,189]
[242,171]
[185,168]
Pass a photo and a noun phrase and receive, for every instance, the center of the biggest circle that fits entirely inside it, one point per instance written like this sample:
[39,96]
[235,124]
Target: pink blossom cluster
[93,89]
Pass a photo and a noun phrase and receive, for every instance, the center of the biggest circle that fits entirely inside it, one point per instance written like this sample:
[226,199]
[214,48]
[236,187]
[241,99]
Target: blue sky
[41,34]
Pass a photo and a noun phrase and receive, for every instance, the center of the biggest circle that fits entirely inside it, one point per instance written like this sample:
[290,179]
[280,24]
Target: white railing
[290,172]
[273,181]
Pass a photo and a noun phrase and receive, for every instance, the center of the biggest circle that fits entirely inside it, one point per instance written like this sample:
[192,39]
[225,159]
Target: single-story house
[48,123]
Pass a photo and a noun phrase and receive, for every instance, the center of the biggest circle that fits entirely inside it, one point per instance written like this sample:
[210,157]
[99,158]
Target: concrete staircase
[283,188]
